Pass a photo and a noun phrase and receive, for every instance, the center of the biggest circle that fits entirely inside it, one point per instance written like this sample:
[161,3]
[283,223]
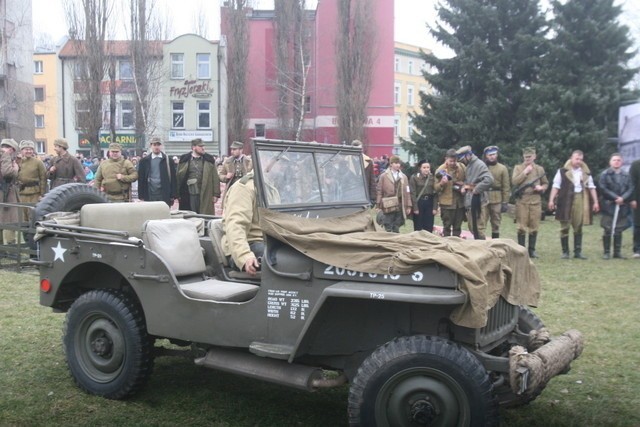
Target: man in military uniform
[529,182]
[64,168]
[32,177]
[115,175]
[198,180]
[573,185]
[449,185]
[8,187]
[393,183]
[236,165]
[477,182]
[243,241]
[499,192]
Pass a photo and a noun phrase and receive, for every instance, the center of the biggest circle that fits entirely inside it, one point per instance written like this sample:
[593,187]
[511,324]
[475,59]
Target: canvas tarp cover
[487,269]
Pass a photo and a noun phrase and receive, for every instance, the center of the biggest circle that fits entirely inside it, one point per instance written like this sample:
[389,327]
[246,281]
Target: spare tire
[65,198]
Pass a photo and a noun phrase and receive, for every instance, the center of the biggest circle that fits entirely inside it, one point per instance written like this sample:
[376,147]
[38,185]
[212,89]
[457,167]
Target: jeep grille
[503,318]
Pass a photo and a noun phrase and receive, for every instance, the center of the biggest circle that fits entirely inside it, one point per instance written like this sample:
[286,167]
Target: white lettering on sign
[95,255]
[280,302]
[376,295]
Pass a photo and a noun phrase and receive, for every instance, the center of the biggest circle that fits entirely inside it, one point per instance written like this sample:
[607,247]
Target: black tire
[421,380]
[65,198]
[107,348]
[528,320]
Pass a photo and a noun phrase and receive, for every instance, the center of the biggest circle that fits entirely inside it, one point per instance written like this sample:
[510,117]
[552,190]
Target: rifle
[517,192]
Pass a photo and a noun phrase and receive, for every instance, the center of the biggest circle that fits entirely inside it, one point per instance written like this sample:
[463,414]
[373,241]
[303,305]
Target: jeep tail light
[45,285]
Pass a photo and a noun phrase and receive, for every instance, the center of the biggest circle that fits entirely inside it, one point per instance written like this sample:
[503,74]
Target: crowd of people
[467,188]
[464,187]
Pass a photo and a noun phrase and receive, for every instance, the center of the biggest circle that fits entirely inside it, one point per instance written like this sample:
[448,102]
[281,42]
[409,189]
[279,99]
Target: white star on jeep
[59,251]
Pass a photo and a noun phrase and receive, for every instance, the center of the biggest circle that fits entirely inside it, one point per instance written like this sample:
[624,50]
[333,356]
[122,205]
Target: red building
[320,122]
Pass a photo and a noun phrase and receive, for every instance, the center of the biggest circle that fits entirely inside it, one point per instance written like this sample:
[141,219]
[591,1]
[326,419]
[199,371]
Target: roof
[74,48]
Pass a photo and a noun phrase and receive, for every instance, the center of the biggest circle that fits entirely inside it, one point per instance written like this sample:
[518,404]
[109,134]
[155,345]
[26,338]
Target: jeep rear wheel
[106,344]
[420,380]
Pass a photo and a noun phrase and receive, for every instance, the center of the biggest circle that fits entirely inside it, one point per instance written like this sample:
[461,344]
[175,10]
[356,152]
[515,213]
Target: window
[38,67]
[126,114]
[260,131]
[125,70]
[409,127]
[204,65]
[177,65]
[177,115]
[396,67]
[410,67]
[80,71]
[39,121]
[396,125]
[410,95]
[82,114]
[307,104]
[396,93]
[204,114]
[41,146]
[38,93]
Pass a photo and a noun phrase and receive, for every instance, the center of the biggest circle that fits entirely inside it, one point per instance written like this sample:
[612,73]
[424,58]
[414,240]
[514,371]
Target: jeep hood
[487,269]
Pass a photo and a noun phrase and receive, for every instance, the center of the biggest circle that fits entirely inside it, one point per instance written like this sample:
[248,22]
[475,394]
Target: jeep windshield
[303,176]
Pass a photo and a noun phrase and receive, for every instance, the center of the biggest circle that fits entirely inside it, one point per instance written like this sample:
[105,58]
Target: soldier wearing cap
[477,182]
[198,180]
[8,187]
[157,175]
[393,183]
[32,177]
[236,165]
[499,192]
[64,168]
[529,182]
[115,175]
[449,184]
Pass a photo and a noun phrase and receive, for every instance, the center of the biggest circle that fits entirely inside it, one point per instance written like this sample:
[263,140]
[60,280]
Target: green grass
[600,298]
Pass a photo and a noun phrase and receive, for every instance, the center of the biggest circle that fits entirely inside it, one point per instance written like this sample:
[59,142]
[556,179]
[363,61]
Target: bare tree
[237,33]
[87,21]
[200,25]
[355,52]
[147,30]
[292,55]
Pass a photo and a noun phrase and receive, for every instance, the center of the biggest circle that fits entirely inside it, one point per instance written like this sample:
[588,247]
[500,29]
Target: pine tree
[478,93]
[582,84]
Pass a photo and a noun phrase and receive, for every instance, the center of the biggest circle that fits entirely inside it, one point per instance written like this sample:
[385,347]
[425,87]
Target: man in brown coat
[64,167]
[576,198]
[499,192]
[393,183]
[8,187]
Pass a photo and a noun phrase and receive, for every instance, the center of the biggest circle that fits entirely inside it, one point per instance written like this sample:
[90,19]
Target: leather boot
[495,235]
[617,246]
[577,247]
[564,241]
[521,239]
[532,245]
[606,245]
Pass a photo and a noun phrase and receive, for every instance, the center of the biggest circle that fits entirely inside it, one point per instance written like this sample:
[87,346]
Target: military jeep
[425,330]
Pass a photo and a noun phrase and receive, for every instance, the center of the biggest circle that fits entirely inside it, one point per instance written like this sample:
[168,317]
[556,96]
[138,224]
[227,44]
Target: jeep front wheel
[106,344]
[421,380]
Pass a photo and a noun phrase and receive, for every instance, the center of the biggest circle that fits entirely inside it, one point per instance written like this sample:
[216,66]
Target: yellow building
[45,88]
[408,83]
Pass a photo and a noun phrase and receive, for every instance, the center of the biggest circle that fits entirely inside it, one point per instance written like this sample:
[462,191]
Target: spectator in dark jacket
[157,176]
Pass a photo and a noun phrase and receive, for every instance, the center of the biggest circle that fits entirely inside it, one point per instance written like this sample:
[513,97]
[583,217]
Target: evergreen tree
[582,84]
[478,93]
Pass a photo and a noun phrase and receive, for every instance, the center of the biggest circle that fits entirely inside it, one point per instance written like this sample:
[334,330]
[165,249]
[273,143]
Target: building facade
[408,83]
[46,100]
[320,114]
[16,71]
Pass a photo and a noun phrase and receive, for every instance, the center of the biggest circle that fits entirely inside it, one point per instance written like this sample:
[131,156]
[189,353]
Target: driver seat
[177,243]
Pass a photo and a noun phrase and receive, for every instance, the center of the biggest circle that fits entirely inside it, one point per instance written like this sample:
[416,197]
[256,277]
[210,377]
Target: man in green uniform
[32,177]
[529,181]
[115,175]
[449,185]
[499,192]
